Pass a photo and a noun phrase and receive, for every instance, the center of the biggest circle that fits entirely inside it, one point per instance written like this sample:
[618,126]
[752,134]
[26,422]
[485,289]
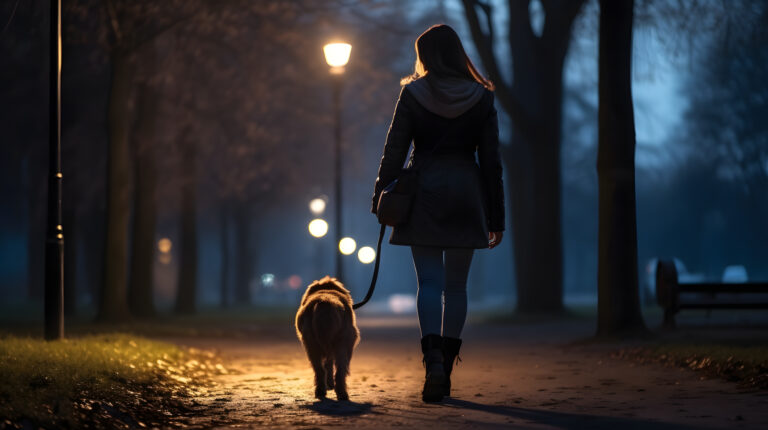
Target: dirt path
[530,376]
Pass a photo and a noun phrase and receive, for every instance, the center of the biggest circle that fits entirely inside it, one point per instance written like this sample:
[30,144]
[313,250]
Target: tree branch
[484,45]
[114,22]
[579,97]
[138,43]
[484,42]
[128,45]
[520,34]
[568,9]
[560,15]
[384,26]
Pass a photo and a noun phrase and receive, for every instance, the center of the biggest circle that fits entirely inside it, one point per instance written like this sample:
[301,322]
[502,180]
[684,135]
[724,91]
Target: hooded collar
[446,96]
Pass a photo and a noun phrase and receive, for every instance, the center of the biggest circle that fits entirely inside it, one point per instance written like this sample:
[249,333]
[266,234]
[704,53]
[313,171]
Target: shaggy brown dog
[325,324]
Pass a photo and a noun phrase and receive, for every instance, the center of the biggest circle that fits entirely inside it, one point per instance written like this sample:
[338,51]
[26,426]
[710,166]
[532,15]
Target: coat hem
[437,245]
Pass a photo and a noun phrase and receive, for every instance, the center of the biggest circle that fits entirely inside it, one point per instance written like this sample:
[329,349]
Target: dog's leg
[343,355]
[316,358]
[329,373]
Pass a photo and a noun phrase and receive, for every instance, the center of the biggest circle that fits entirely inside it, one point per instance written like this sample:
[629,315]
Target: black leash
[384,226]
[375,270]
[446,133]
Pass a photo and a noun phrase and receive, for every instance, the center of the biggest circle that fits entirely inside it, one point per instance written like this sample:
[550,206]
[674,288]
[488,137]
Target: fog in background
[243,88]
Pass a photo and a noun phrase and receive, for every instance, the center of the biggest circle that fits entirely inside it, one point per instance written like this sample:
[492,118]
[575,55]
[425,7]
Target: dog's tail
[327,323]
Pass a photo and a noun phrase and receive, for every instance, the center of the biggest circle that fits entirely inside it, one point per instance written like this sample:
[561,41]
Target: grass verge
[229,323]
[745,365]
[102,381]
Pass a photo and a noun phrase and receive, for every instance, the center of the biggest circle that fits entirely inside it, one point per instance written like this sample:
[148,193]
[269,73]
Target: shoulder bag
[394,207]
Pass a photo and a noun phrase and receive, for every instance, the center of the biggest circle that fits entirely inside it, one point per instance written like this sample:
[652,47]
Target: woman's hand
[494,238]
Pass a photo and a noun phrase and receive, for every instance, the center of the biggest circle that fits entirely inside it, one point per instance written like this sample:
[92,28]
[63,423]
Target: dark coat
[460,197]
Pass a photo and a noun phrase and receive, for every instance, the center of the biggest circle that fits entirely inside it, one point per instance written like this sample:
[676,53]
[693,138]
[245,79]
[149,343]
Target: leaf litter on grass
[744,365]
[113,380]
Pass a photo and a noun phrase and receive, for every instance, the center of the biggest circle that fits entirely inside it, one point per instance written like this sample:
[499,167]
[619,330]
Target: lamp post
[337,56]
[54,243]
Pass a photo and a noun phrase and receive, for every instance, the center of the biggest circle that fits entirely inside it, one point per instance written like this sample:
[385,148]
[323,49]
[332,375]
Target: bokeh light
[366,255]
[164,245]
[294,282]
[402,303]
[268,280]
[347,245]
[317,206]
[318,227]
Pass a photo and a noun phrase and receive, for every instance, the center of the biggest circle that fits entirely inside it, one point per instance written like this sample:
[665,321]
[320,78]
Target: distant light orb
[366,255]
[294,282]
[268,280]
[402,303]
[347,245]
[164,245]
[337,54]
[317,206]
[318,227]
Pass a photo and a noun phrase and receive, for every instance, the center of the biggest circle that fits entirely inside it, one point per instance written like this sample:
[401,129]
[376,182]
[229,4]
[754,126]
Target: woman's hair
[439,53]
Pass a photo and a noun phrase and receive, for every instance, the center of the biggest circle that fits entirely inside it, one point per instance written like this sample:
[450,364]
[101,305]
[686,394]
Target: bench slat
[723,305]
[713,287]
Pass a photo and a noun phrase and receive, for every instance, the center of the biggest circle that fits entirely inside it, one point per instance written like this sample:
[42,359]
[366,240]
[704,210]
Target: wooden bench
[669,290]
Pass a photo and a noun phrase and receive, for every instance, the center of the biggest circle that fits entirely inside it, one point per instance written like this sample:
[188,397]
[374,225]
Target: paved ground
[535,376]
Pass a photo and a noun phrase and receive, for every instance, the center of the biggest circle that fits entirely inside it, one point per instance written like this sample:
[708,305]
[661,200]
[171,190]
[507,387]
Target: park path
[536,376]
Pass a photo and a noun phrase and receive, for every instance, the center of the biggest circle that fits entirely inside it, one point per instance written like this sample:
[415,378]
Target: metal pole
[54,246]
[337,81]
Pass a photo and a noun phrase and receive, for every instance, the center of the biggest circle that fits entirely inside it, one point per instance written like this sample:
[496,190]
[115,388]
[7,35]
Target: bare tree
[728,105]
[533,101]
[141,288]
[617,285]
[132,25]
[186,291]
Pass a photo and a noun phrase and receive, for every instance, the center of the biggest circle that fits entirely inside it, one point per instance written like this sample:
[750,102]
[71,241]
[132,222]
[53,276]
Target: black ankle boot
[451,346]
[434,383]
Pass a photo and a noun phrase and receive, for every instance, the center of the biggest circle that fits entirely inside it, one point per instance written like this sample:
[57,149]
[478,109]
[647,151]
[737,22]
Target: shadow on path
[345,408]
[566,420]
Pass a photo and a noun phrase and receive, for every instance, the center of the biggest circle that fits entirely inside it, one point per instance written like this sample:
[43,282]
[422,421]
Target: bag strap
[375,276]
[375,270]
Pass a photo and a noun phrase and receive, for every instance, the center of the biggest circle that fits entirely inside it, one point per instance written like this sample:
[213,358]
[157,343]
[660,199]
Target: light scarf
[448,97]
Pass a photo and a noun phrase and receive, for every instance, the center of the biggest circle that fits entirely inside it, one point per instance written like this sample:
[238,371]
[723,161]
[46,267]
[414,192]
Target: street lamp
[337,56]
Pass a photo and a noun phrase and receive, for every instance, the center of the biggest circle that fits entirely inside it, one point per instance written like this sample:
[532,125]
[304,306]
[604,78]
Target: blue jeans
[442,294]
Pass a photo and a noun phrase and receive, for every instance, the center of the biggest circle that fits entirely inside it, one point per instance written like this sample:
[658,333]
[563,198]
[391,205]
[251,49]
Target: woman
[446,109]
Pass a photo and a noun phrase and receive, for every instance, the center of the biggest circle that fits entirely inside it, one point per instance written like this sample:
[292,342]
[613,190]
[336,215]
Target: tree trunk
[186,291]
[534,192]
[243,255]
[113,305]
[617,283]
[534,103]
[225,259]
[534,188]
[537,233]
[140,297]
